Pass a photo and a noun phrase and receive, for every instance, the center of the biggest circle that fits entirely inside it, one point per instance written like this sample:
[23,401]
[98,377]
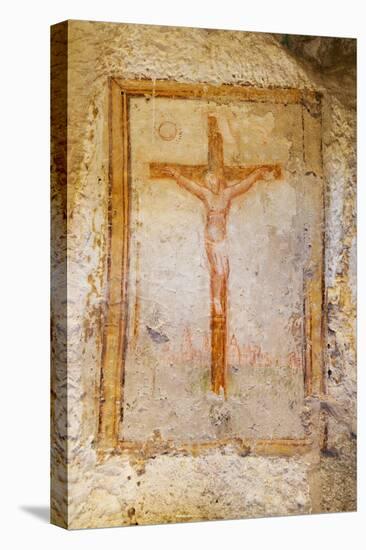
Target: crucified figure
[211,186]
[216,196]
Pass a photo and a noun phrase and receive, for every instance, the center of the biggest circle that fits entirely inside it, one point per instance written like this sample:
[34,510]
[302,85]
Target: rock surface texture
[155,483]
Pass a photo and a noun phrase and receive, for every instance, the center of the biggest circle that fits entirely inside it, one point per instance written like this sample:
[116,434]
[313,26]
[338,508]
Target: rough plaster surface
[135,489]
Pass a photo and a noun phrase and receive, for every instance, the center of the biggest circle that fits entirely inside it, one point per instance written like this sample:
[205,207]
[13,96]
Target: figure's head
[213,182]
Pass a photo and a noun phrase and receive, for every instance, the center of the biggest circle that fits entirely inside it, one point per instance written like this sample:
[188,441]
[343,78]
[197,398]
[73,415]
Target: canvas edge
[58,305]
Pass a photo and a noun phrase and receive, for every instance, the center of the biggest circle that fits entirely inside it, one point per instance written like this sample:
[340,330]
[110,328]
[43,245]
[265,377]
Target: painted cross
[216,185]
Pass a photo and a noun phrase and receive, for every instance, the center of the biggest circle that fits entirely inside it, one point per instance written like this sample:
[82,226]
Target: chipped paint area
[154,482]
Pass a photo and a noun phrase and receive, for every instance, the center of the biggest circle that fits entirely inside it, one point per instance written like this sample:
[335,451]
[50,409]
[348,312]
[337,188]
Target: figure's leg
[218,290]
[219,268]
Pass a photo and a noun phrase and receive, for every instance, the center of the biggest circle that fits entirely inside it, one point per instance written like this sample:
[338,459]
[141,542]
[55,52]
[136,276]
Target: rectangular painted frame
[114,335]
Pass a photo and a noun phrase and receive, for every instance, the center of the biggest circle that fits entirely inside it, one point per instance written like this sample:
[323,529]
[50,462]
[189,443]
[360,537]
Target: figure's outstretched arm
[262,173]
[198,190]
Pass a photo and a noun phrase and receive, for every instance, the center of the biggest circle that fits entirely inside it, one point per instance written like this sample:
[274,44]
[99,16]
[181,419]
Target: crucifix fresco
[214,233]
[216,185]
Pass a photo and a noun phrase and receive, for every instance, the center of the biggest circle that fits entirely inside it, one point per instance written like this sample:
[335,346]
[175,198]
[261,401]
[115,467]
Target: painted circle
[167,130]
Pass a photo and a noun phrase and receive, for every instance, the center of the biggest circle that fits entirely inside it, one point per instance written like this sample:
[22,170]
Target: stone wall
[131,489]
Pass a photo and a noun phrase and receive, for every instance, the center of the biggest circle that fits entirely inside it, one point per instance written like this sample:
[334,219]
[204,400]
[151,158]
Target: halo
[168,130]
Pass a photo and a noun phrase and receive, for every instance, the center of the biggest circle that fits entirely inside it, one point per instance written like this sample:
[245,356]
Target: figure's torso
[217,206]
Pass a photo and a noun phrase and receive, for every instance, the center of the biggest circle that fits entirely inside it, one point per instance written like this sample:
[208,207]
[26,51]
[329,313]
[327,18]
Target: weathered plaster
[123,490]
